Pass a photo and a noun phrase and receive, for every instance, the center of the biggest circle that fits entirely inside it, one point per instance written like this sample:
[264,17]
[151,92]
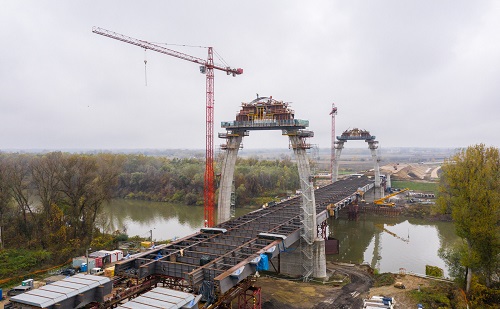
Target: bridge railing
[265,123]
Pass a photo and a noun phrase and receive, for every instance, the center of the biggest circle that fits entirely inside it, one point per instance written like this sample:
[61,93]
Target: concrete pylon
[227,175]
[308,202]
[312,249]
[338,151]
[372,145]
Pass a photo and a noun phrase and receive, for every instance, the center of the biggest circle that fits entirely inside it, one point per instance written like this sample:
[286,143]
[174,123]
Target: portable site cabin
[107,256]
[100,256]
[78,261]
[114,255]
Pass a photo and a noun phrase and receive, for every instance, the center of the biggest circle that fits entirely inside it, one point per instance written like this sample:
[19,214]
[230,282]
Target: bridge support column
[372,145]
[309,257]
[227,175]
[338,151]
[319,270]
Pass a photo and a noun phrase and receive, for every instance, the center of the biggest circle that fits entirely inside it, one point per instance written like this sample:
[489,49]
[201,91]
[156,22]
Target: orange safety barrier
[2,281]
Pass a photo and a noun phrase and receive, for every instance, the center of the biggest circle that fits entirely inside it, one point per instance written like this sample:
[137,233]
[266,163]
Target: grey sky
[413,73]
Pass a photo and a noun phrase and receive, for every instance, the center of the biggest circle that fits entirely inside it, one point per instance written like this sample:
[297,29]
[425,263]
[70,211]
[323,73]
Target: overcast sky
[413,73]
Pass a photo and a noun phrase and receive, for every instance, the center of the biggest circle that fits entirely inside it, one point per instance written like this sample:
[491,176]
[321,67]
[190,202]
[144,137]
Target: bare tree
[5,195]
[86,182]
[19,175]
[45,172]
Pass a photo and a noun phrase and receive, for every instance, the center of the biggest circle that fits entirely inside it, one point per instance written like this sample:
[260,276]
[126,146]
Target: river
[165,220]
[387,244]
[391,244]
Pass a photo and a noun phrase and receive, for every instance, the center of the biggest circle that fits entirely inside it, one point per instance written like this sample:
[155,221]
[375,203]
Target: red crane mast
[207,67]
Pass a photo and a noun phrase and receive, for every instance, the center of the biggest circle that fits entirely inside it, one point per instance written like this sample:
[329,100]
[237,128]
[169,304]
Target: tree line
[182,180]
[52,201]
[49,201]
[469,192]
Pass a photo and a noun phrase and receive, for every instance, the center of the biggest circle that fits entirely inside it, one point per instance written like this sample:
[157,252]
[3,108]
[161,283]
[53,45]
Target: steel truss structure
[216,260]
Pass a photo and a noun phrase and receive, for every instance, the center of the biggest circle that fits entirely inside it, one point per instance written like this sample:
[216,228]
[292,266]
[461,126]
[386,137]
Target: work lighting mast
[332,156]
[207,67]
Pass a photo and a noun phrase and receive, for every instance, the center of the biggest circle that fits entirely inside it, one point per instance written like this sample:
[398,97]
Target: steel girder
[226,255]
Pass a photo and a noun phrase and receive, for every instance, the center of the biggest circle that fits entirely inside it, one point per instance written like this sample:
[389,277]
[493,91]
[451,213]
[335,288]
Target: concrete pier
[227,176]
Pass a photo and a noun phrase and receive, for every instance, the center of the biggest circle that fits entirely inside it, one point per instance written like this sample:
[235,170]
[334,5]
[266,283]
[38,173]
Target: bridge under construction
[219,261]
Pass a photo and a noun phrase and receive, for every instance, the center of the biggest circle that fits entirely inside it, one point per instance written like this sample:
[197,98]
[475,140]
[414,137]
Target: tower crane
[333,113]
[206,67]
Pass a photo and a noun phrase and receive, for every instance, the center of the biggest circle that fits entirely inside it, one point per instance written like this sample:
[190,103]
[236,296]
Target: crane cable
[224,63]
[145,68]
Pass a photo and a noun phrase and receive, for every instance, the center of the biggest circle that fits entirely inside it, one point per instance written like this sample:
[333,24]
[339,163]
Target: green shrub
[17,261]
[434,271]
[435,296]
[482,296]
[384,279]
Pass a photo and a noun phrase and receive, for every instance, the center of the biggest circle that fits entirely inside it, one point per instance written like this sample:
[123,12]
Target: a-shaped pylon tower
[357,135]
[269,114]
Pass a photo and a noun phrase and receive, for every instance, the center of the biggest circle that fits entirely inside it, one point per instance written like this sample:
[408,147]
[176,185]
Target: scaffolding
[269,114]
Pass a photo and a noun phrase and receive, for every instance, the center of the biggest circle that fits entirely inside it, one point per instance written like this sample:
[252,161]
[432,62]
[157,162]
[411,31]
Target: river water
[388,244]
[391,244]
[165,220]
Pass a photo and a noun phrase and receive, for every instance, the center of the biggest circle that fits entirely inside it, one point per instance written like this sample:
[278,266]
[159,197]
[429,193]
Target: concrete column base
[291,260]
[319,270]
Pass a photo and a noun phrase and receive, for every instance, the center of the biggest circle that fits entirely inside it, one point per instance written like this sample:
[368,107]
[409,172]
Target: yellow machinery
[382,201]
[361,194]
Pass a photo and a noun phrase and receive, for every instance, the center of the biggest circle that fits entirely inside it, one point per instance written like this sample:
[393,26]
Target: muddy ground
[281,293]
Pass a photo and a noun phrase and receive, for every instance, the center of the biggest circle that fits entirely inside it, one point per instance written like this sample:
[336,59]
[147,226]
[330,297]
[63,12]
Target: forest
[51,201]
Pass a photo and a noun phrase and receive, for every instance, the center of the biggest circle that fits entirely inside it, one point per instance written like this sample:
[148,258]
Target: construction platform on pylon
[265,114]
[356,134]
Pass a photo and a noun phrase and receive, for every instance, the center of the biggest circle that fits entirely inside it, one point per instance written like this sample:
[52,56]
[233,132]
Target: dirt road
[280,293]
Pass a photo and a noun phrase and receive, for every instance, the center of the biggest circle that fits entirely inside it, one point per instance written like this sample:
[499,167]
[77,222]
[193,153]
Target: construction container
[78,261]
[118,254]
[109,272]
[98,262]
[103,255]
[27,282]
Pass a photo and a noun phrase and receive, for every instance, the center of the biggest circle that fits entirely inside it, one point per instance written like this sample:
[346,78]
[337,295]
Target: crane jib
[163,50]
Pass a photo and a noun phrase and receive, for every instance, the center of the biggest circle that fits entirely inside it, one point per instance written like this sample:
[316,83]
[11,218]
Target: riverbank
[345,288]
[357,283]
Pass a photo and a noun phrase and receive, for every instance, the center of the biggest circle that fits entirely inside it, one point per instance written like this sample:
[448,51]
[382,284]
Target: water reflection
[167,220]
[389,244]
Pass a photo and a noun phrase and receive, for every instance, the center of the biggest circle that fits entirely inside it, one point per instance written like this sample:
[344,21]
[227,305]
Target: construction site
[218,266]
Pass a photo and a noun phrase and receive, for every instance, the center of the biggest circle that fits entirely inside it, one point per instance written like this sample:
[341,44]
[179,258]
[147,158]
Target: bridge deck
[226,255]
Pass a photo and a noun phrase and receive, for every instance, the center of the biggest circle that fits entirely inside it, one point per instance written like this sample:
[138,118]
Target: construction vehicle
[383,201]
[360,193]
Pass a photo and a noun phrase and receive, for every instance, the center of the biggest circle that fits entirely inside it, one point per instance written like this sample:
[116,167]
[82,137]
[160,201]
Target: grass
[432,297]
[384,279]
[416,186]
[19,264]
